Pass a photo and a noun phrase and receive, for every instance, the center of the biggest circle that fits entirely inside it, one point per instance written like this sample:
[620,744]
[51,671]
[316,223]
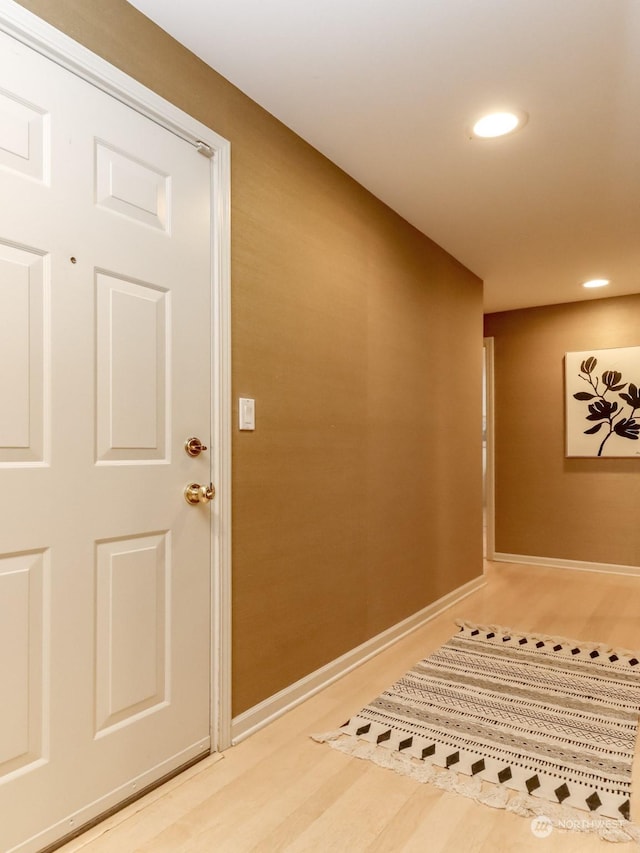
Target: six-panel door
[104,373]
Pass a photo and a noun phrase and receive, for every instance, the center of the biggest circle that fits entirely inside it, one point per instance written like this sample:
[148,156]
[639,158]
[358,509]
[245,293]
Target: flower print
[627,428]
[610,418]
[611,378]
[601,410]
[632,397]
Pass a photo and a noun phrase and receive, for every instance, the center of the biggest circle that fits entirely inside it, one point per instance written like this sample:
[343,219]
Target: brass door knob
[195,494]
[194,446]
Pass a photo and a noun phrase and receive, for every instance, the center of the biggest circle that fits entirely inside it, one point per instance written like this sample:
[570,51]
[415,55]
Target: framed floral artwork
[602,391]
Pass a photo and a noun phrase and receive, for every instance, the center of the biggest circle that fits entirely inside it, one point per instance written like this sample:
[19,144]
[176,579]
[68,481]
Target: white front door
[104,374]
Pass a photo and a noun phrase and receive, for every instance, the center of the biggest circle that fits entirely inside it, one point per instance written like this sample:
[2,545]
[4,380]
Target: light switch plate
[247,413]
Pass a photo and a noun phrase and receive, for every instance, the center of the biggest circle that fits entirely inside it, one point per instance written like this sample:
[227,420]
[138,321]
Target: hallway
[278,790]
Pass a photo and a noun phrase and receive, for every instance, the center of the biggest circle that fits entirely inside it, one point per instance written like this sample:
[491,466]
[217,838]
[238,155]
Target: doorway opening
[488,481]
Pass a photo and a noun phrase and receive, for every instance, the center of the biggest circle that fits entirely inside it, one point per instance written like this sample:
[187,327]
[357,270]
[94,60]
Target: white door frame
[55,45]
[489,480]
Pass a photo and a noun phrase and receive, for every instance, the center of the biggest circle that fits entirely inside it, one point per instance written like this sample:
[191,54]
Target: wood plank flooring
[280,791]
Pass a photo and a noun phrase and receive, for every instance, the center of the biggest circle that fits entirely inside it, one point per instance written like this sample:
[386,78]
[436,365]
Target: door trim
[489,479]
[55,45]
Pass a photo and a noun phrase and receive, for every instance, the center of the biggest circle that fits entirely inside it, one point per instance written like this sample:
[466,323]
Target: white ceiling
[388,88]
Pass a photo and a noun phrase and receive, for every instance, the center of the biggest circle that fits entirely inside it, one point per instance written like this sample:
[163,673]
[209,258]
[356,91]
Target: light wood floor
[279,790]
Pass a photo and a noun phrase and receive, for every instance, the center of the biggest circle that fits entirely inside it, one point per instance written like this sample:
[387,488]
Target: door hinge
[204,149]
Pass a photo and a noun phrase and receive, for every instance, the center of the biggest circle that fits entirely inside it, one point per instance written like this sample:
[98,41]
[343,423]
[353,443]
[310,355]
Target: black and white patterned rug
[536,724]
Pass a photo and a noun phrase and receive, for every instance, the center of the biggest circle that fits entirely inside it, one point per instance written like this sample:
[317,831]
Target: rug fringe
[603,648]
[561,817]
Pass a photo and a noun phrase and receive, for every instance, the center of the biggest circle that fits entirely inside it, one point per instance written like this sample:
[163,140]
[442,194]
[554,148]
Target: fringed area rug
[541,726]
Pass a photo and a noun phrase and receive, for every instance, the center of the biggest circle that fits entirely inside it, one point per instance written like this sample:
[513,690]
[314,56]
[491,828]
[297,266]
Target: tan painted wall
[357,501]
[548,505]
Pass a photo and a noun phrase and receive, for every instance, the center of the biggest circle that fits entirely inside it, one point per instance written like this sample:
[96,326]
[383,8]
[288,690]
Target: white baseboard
[260,715]
[575,565]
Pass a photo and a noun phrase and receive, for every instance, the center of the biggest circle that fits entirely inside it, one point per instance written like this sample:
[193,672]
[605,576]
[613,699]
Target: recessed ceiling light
[499,124]
[596,282]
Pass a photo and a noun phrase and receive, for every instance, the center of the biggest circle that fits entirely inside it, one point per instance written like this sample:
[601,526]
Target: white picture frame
[602,388]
